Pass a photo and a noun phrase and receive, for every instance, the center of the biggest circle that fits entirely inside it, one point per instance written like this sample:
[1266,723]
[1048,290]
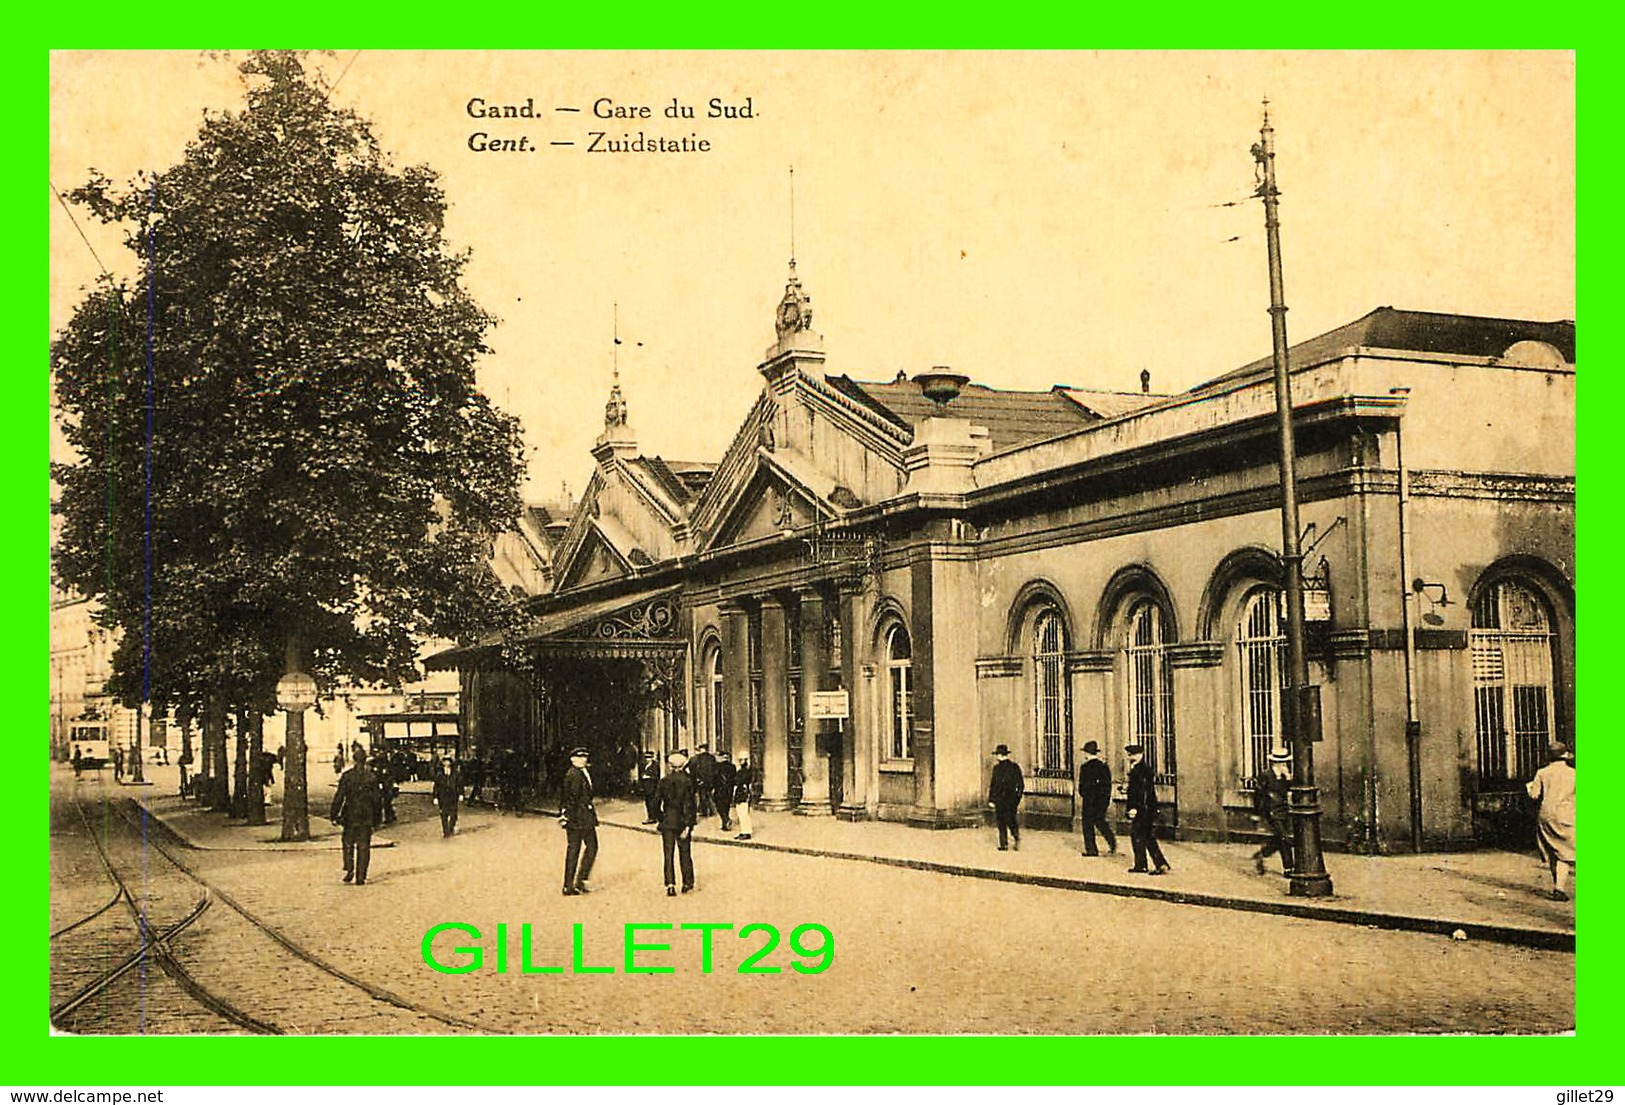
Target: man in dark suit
[1095,799]
[648,780]
[384,776]
[678,813]
[703,768]
[358,806]
[1142,813]
[1270,794]
[1004,795]
[580,821]
[722,790]
[448,792]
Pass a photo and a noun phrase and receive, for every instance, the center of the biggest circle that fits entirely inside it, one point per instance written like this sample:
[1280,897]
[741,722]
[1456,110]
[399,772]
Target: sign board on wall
[830,704]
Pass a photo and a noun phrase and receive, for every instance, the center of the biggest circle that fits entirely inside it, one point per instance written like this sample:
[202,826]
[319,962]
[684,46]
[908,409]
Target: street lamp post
[1299,705]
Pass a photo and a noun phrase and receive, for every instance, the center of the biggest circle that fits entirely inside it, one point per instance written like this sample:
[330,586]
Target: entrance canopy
[641,627]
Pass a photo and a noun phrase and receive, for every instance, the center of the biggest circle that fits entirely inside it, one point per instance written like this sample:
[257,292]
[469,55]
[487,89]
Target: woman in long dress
[1553,787]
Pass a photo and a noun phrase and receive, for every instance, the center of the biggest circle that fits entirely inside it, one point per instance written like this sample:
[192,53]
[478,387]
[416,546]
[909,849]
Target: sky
[1028,219]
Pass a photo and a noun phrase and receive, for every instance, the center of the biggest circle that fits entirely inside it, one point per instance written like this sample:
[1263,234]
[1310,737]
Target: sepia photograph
[842,543]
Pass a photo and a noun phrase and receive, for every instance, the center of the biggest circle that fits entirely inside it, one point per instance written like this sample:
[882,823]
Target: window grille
[1052,697]
[1261,651]
[1151,689]
[1511,644]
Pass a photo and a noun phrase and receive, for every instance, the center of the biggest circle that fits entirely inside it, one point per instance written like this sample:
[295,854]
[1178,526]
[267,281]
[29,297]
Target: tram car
[88,741]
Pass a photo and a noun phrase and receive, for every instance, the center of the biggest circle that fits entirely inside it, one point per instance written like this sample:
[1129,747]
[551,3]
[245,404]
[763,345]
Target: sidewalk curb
[331,843]
[1545,939]
[1517,935]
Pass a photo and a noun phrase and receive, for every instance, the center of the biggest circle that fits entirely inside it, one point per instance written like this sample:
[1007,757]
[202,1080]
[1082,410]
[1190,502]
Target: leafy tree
[282,456]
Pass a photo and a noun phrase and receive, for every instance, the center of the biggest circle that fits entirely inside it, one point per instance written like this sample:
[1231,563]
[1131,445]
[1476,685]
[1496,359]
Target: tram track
[291,988]
[152,945]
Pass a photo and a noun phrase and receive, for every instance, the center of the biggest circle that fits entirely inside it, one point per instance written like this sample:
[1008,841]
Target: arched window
[900,707]
[1261,652]
[1052,697]
[1150,688]
[713,702]
[1511,640]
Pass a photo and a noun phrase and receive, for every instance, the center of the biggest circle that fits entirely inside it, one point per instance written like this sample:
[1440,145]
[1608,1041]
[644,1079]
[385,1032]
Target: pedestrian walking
[268,765]
[744,794]
[1095,799]
[580,820]
[1004,795]
[648,780]
[1271,796]
[703,768]
[357,806]
[722,790]
[338,761]
[677,810]
[512,783]
[118,762]
[448,793]
[78,762]
[1553,788]
[1142,814]
[387,790]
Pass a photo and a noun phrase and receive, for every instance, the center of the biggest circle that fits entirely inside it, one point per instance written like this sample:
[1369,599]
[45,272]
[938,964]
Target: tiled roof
[683,480]
[1109,404]
[1422,331]
[1011,417]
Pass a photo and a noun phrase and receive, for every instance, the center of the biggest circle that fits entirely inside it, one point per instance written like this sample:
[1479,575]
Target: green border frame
[37,1060]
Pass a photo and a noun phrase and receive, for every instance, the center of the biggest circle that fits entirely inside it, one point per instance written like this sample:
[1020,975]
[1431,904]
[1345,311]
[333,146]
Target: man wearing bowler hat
[358,807]
[1270,795]
[1004,795]
[1142,814]
[1095,799]
[580,821]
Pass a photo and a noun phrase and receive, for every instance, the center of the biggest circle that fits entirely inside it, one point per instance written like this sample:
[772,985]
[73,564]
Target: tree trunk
[219,793]
[239,793]
[295,792]
[140,715]
[255,806]
[186,749]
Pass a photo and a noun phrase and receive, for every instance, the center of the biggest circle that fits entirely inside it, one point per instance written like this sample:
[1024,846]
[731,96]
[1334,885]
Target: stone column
[857,738]
[818,737]
[948,765]
[775,707]
[735,684]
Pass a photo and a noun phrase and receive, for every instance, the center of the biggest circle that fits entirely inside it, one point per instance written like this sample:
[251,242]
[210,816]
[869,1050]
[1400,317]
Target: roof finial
[615,409]
[792,218]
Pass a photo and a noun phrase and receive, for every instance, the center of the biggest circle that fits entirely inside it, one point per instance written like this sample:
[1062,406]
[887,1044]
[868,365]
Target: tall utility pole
[1300,707]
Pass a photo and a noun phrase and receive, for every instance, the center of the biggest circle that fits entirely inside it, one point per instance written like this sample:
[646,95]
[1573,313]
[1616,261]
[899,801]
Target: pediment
[594,560]
[769,506]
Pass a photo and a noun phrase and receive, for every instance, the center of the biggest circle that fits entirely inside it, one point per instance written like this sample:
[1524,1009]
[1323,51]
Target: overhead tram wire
[64,202]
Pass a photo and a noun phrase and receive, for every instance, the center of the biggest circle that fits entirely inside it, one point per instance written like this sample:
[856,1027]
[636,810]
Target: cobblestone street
[915,951]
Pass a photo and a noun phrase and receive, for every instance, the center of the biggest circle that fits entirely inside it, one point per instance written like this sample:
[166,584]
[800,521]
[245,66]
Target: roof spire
[795,309]
[615,409]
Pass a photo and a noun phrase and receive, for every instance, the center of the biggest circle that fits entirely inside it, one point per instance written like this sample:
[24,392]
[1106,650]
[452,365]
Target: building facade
[975,566]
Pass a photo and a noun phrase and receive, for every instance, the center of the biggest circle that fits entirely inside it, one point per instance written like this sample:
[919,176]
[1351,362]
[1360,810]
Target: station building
[975,566]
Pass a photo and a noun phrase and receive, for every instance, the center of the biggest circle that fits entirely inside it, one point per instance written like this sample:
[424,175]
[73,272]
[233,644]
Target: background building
[1044,568]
